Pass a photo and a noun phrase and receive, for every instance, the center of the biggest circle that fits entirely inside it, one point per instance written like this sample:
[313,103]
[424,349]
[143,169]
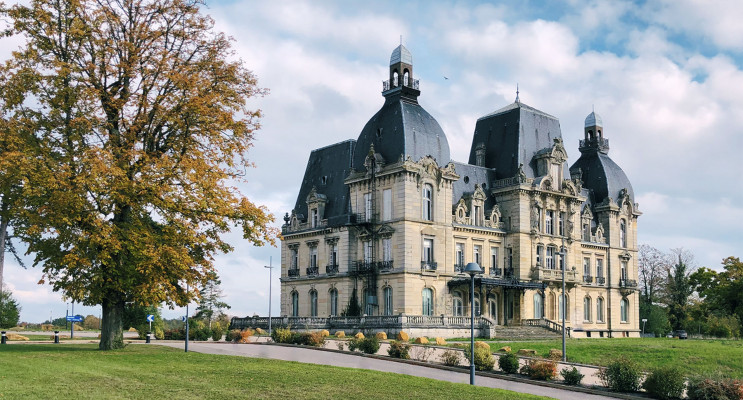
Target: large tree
[133,115]
[652,265]
[211,304]
[722,292]
[678,287]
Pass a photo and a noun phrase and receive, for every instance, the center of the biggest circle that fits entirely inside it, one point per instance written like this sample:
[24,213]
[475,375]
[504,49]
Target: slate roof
[473,175]
[602,176]
[402,128]
[513,135]
[326,170]
[401,54]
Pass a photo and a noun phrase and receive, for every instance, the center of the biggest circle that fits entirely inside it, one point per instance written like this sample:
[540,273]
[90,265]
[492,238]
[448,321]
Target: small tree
[353,309]
[211,304]
[10,311]
[678,289]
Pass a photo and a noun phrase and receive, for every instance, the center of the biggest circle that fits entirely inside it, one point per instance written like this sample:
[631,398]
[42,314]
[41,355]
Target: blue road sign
[150,318]
[183,318]
[75,318]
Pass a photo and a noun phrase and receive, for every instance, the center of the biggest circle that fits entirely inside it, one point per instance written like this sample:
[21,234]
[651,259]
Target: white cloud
[715,20]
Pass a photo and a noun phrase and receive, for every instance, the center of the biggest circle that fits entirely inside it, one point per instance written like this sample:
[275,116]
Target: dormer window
[478,216]
[314,218]
[549,218]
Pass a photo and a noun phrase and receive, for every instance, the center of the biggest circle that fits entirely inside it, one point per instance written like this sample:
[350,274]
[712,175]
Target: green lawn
[79,371]
[693,356]
[41,338]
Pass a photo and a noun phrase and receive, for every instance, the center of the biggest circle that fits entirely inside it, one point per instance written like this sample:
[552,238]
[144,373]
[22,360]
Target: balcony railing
[313,271]
[459,268]
[587,279]
[331,269]
[496,272]
[293,272]
[428,265]
[600,280]
[364,218]
[627,283]
[385,265]
[556,275]
[412,83]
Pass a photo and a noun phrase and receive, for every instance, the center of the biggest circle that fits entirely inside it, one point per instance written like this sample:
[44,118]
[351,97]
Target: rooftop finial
[517,93]
[400,40]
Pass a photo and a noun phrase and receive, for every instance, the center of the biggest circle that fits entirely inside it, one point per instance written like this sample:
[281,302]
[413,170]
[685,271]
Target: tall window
[370,300]
[457,307]
[333,302]
[294,258]
[460,254]
[623,270]
[428,251]
[387,249]
[387,204]
[600,310]
[510,257]
[334,254]
[388,301]
[367,251]
[561,225]
[586,266]
[367,206]
[538,216]
[622,233]
[477,218]
[477,250]
[550,259]
[315,217]
[477,306]
[586,309]
[427,297]
[538,306]
[549,218]
[313,303]
[540,249]
[493,257]
[313,256]
[493,307]
[427,204]
[599,267]
[560,261]
[295,304]
[624,310]
[587,232]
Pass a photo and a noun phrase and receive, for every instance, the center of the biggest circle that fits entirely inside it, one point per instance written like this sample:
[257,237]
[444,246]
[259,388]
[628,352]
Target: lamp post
[186,347]
[644,320]
[270,270]
[472,269]
[562,253]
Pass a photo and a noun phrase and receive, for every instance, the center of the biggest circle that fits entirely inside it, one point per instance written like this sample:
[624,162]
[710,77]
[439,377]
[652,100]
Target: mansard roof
[469,176]
[602,176]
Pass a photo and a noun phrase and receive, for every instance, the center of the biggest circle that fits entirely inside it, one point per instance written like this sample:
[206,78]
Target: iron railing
[331,269]
[293,272]
[428,265]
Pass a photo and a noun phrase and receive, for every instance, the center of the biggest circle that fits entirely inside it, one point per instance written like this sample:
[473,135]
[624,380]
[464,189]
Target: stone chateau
[392,218]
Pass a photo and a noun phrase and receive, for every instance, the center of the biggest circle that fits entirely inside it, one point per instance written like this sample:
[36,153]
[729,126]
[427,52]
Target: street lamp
[562,253]
[270,270]
[472,269]
[644,320]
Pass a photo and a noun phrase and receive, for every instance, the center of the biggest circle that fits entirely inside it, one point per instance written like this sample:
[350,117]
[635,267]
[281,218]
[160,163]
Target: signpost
[75,318]
[150,318]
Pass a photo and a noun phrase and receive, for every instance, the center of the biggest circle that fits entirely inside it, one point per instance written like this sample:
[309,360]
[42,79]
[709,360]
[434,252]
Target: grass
[692,356]
[50,337]
[80,371]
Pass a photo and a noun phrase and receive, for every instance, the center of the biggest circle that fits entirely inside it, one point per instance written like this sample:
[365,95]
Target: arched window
[493,307]
[295,304]
[552,307]
[405,78]
[394,79]
[622,233]
[313,303]
[478,311]
[370,300]
[587,309]
[427,297]
[388,301]
[333,302]
[457,307]
[427,202]
[538,314]
[624,310]
[600,310]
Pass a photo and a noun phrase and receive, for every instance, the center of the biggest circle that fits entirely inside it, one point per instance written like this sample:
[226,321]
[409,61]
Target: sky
[665,76]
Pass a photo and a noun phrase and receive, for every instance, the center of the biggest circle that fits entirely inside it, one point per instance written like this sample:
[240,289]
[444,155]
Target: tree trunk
[112,335]
[3,235]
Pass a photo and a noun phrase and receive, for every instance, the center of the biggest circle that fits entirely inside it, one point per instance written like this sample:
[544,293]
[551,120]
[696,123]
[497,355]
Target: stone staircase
[524,333]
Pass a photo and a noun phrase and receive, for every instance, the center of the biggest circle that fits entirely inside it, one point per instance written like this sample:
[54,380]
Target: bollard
[56,337]
[148,336]
[4,339]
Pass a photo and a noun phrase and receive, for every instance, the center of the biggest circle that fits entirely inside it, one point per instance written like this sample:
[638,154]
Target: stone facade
[397,228]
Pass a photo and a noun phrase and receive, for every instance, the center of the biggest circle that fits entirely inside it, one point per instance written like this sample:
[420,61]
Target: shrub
[422,353]
[341,345]
[509,363]
[315,339]
[175,334]
[451,358]
[233,335]
[369,345]
[353,344]
[571,376]
[484,360]
[714,389]
[244,336]
[217,332]
[281,335]
[542,370]
[399,350]
[621,375]
[665,383]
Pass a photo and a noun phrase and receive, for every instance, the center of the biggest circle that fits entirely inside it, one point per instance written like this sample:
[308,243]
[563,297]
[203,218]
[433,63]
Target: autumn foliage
[132,120]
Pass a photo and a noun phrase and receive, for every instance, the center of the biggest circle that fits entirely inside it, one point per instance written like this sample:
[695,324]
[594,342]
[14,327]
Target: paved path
[352,361]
